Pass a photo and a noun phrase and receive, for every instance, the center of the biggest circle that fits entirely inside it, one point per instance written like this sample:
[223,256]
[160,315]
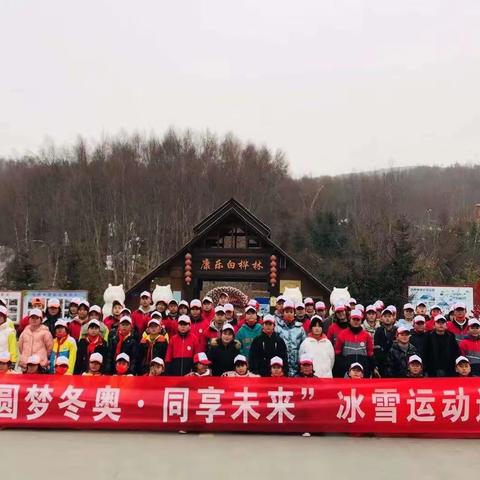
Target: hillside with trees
[130,201]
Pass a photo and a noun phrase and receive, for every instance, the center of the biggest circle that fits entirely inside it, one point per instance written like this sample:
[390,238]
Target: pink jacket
[35,342]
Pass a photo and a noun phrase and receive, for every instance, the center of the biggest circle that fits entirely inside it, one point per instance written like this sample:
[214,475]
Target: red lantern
[273,270]
[273,263]
[188,256]
[188,268]
[273,257]
[273,276]
[188,274]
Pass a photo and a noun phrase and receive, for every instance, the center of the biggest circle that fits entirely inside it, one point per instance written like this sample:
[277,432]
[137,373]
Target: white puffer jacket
[322,353]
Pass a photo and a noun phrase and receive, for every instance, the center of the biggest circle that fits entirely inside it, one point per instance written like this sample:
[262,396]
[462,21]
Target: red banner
[428,407]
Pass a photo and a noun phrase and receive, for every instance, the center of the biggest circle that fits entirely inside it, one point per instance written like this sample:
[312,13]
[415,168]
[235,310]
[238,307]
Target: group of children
[199,338]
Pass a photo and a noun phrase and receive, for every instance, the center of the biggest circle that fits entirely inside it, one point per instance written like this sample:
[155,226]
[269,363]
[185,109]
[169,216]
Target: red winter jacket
[352,346]
[208,316]
[140,320]
[460,331]
[199,329]
[470,348]
[75,327]
[335,330]
[180,352]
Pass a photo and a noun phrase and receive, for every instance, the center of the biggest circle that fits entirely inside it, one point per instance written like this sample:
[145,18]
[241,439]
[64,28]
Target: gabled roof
[210,222]
[229,207]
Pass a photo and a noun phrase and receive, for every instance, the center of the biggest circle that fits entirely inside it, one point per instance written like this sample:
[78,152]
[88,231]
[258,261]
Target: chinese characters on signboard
[225,264]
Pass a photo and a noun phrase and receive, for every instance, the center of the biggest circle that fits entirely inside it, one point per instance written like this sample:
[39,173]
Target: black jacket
[382,343]
[158,349]
[396,364]
[418,341]
[130,346]
[81,363]
[222,356]
[440,353]
[263,349]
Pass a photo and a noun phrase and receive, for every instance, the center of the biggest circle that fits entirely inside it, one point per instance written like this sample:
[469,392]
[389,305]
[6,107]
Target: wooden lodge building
[231,248]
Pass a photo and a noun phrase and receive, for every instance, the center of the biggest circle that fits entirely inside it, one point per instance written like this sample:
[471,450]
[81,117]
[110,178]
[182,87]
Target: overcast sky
[339,86]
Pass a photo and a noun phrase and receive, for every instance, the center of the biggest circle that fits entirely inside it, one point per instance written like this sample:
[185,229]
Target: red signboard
[447,407]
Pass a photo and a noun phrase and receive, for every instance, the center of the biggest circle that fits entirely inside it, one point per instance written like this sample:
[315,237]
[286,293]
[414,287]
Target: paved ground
[119,455]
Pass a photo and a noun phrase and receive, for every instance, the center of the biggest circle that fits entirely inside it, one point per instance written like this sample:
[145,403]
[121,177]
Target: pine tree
[21,273]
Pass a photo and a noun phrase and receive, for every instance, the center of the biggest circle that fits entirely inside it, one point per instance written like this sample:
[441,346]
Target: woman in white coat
[319,348]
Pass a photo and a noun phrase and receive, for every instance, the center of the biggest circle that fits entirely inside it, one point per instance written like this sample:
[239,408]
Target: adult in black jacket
[440,350]
[396,365]
[383,340]
[222,351]
[92,343]
[419,335]
[122,340]
[266,346]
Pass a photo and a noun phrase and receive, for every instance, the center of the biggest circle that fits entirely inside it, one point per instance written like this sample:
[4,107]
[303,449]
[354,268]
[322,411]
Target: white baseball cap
[414,358]
[4,357]
[320,306]
[156,314]
[418,318]
[184,303]
[33,360]
[473,321]
[299,305]
[421,302]
[403,329]
[408,306]
[461,358]
[308,301]
[352,300]
[154,321]
[157,360]
[207,299]
[250,308]
[85,303]
[360,307]
[126,318]
[459,305]
[75,300]
[53,302]
[228,307]
[196,303]
[95,309]
[356,314]
[269,318]
[227,326]
[3,310]
[281,298]
[146,293]
[125,310]
[240,358]
[305,360]
[35,312]
[61,322]
[371,308]
[122,356]
[93,322]
[356,365]
[184,319]
[288,304]
[219,309]
[202,358]
[96,357]
[389,309]
[61,360]
[276,361]
[433,307]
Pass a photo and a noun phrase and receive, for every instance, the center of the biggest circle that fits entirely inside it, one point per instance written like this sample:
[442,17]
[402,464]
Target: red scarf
[92,343]
[121,339]
[60,342]
[150,343]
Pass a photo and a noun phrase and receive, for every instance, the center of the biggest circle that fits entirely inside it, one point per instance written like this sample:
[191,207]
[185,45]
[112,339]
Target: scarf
[317,337]
[150,343]
[121,339]
[60,342]
[92,343]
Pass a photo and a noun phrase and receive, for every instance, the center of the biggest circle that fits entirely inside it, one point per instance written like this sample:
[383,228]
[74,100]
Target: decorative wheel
[236,297]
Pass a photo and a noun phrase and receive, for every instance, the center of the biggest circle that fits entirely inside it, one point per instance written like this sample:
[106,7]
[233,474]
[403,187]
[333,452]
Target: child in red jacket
[181,349]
